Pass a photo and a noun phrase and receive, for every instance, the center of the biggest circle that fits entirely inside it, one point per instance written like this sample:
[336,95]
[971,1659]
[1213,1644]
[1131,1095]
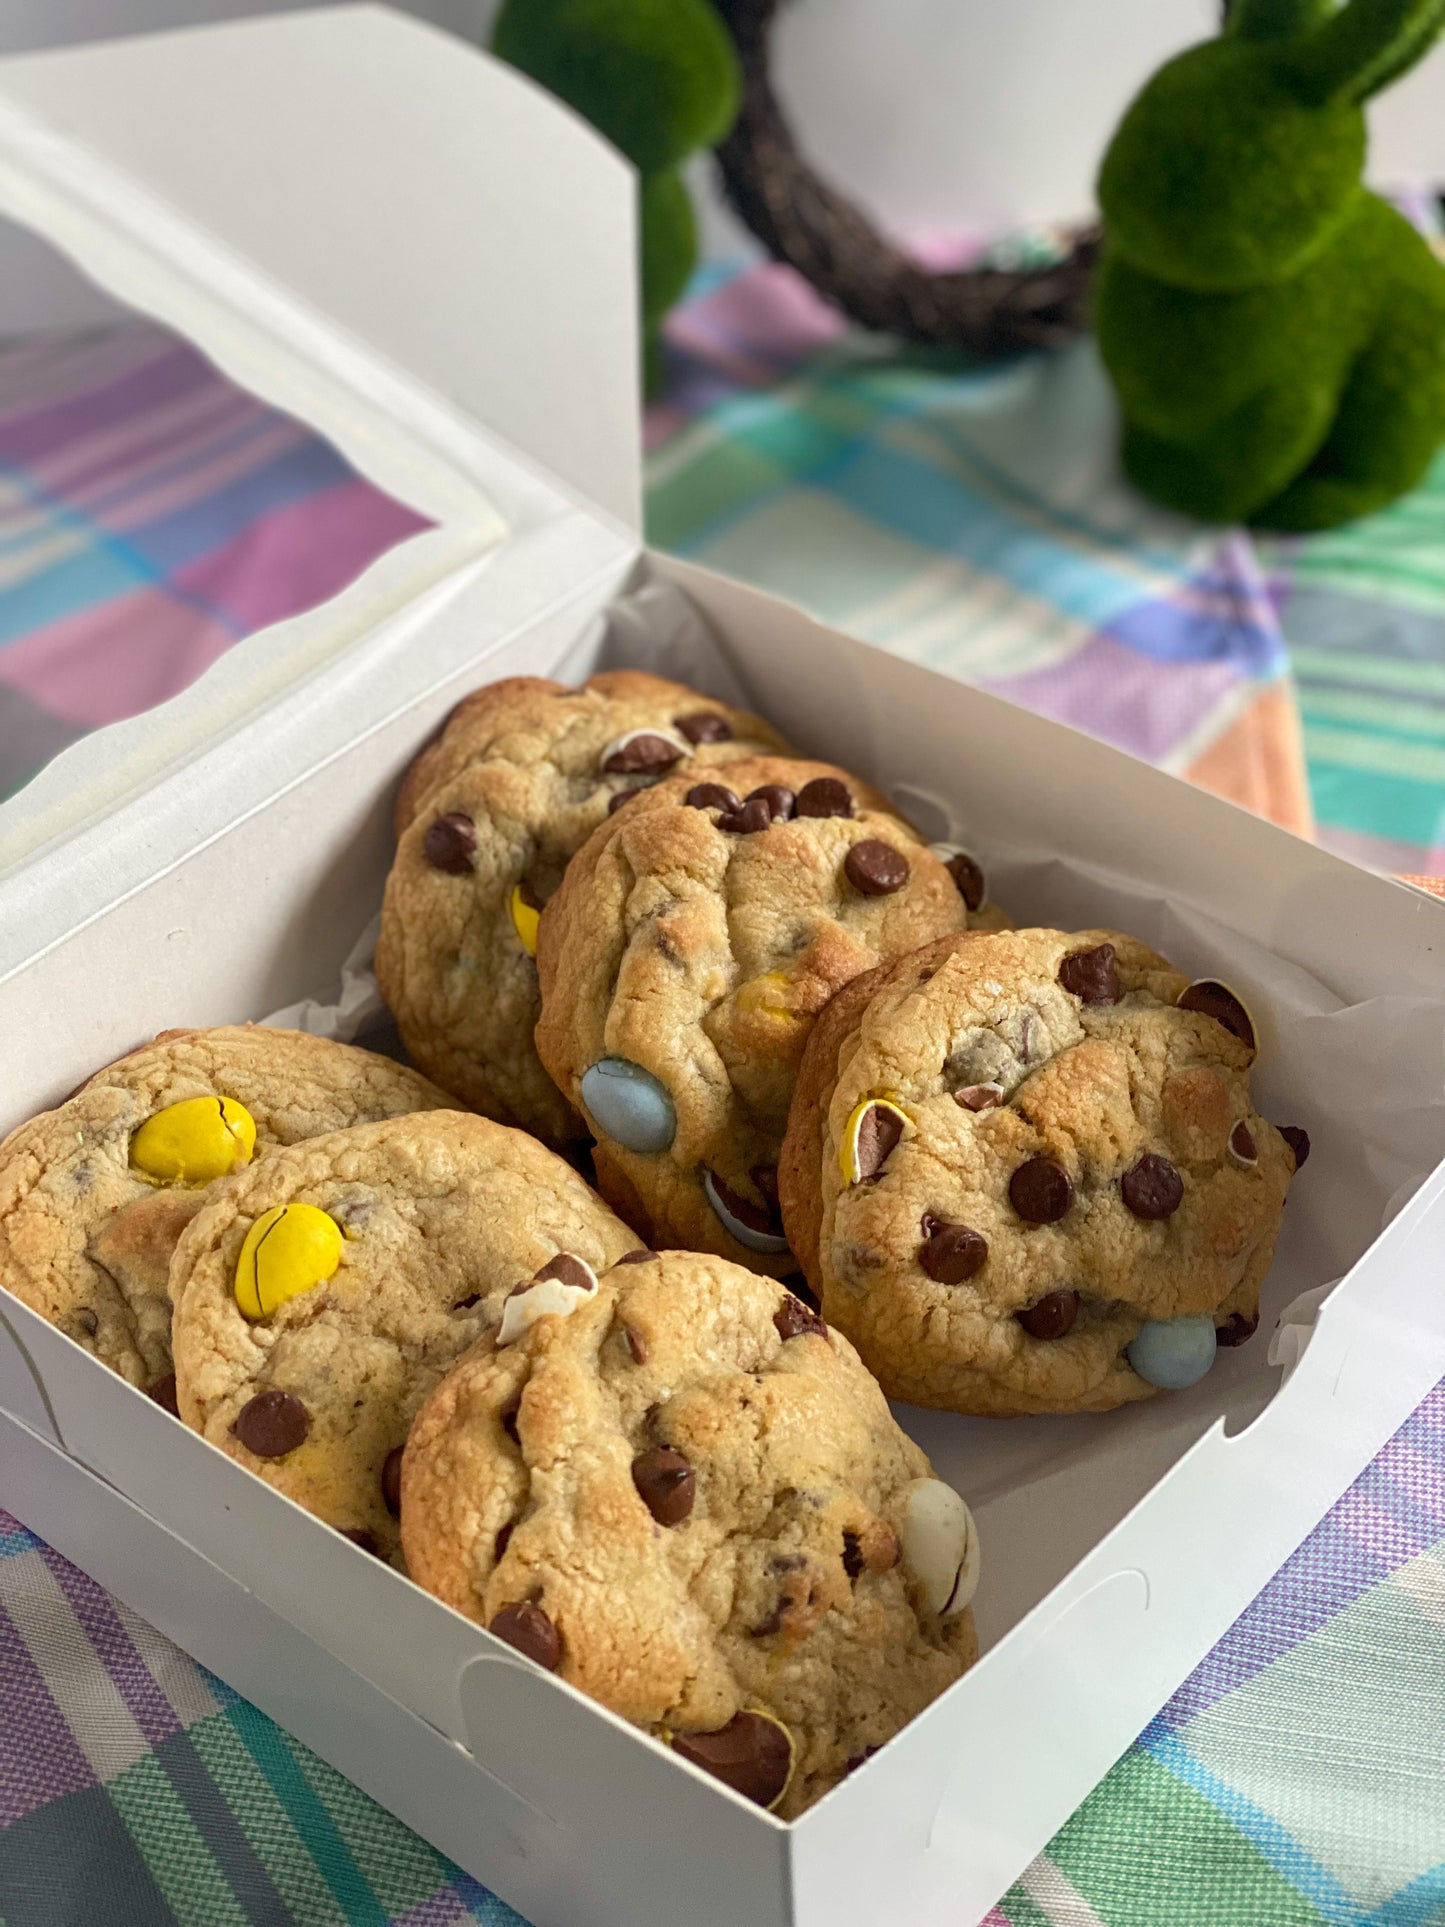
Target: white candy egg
[940,1545]
[547,1297]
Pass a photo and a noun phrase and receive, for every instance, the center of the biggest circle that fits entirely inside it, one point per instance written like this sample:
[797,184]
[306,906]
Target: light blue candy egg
[746,1234]
[629,1104]
[1173,1352]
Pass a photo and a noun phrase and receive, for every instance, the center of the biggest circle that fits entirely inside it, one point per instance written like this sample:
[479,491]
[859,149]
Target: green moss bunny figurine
[1275,332]
[660,79]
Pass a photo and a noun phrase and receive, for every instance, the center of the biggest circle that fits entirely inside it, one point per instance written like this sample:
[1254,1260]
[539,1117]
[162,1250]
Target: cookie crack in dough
[127,1310]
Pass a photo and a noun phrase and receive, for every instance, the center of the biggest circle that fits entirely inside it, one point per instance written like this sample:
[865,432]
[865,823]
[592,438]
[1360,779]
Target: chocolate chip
[778,797]
[643,1257]
[352,1213]
[711,796]
[875,868]
[465,1304]
[879,1130]
[1242,1144]
[87,1321]
[765,1628]
[1051,1316]
[164,1394]
[951,1253]
[666,1484]
[852,1554]
[1090,975]
[449,844]
[1298,1140]
[359,1536]
[747,820]
[704,726]
[852,1764]
[642,754]
[1236,1329]
[504,1537]
[528,1628]
[1153,1189]
[765,1177]
[752,1754]
[979,1097]
[567,1270]
[636,1344]
[793,1318]
[969,879]
[272,1424]
[1218,1001]
[666,942]
[614,803]
[391,1481]
[825,796]
[1040,1191]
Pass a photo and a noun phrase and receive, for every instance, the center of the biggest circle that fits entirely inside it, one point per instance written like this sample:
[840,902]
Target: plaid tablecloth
[977,521]
[974,521]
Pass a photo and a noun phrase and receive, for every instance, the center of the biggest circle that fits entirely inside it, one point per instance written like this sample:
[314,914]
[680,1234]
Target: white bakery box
[396,239]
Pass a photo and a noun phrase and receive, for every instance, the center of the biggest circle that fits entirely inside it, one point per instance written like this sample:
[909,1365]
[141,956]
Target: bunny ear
[1413,49]
[1274,19]
[1364,46]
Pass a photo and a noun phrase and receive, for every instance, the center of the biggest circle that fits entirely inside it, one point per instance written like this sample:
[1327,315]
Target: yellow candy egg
[194,1142]
[525,918]
[290,1249]
[767,996]
[874,1127]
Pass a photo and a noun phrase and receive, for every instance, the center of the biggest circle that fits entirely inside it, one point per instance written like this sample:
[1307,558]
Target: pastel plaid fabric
[976,520]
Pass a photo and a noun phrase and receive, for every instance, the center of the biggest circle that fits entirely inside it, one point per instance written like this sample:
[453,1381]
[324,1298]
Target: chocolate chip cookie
[320,1295]
[687,1496]
[1023,1172]
[94,1195]
[487,819]
[692,943]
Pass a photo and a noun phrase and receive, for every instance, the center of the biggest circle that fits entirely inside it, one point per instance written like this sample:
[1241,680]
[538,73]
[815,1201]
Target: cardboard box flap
[408,197]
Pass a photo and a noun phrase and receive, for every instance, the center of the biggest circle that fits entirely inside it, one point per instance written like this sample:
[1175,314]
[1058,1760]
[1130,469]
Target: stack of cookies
[855,1137]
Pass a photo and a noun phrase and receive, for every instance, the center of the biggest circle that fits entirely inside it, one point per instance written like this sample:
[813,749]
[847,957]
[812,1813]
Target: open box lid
[359,182]
[417,253]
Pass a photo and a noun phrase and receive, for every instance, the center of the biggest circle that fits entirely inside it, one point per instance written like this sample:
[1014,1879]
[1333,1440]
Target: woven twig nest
[804,221]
